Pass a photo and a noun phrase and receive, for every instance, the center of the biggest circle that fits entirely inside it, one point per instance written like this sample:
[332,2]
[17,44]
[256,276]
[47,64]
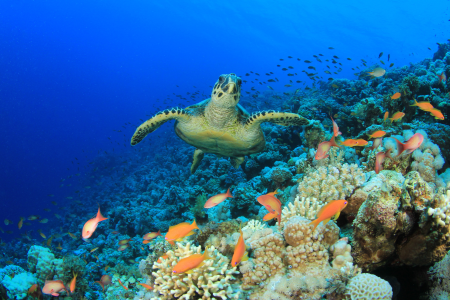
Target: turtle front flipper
[279,118]
[236,161]
[157,120]
[198,156]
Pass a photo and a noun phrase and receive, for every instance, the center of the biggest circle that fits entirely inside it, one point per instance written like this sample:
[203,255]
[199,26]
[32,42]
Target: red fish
[217,199]
[410,145]
[324,147]
[90,226]
[380,157]
[329,210]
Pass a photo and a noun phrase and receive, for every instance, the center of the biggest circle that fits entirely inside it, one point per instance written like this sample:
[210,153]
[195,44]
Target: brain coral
[331,182]
[368,287]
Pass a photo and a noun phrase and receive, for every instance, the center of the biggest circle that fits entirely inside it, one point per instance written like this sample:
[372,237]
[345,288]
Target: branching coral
[213,279]
[304,207]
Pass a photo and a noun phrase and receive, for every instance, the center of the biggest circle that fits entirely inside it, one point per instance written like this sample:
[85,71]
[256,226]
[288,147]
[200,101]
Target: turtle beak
[229,85]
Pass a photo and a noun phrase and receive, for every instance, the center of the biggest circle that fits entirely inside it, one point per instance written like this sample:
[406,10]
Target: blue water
[73,73]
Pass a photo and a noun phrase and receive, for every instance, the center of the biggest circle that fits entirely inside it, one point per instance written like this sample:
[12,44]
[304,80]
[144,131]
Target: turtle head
[227,91]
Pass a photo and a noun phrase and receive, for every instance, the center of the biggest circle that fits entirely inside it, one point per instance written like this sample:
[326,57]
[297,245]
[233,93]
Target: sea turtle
[219,124]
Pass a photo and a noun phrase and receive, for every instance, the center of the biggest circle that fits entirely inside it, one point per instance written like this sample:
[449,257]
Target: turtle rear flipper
[198,156]
[279,118]
[157,120]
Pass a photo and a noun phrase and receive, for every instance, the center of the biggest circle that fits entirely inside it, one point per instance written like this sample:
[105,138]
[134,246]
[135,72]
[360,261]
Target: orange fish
[377,72]
[397,116]
[376,143]
[361,142]
[396,96]
[386,115]
[333,208]
[148,287]
[185,265]
[217,199]
[336,131]
[239,251]
[53,287]
[73,283]
[151,235]
[410,145]
[270,216]
[145,242]
[20,223]
[90,226]
[324,147]
[437,114]
[33,288]
[123,285]
[165,256]
[380,157]
[124,242]
[123,247]
[377,134]
[425,106]
[271,203]
[350,143]
[180,231]
[442,77]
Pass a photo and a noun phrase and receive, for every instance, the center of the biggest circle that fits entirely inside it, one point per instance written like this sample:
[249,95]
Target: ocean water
[77,78]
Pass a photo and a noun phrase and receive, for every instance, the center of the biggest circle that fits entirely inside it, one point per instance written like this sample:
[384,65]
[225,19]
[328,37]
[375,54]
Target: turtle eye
[239,81]
[221,78]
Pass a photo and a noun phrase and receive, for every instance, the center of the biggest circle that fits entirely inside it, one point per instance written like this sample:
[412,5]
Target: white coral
[331,182]
[213,279]
[441,213]
[368,287]
[304,207]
